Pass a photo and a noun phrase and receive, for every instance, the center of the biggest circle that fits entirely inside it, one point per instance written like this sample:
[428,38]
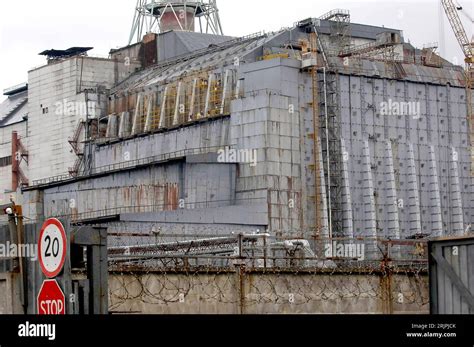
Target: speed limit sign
[52,247]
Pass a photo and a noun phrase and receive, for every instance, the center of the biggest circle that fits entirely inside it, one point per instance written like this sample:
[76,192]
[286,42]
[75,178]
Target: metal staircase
[75,142]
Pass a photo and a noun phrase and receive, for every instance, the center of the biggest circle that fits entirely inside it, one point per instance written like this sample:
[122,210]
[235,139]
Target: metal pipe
[15,162]
[209,94]
[163,108]
[22,260]
[224,91]
[178,106]
[88,147]
[193,99]
[188,243]
[327,152]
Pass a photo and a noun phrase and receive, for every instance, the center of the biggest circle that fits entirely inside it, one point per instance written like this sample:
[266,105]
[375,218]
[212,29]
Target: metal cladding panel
[438,122]
[212,134]
[452,276]
[141,190]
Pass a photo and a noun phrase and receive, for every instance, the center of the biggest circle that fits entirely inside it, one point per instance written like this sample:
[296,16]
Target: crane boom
[466,45]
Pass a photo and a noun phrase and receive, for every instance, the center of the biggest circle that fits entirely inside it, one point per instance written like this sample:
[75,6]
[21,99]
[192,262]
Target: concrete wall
[212,134]
[219,293]
[9,294]
[267,119]
[416,165]
[196,181]
[154,189]
[57,103]
[253,293]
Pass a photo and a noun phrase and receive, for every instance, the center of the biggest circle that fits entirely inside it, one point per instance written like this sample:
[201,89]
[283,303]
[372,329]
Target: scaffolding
[19,155]
[340,28]
[332,151]
[315,168]
[78,150]
[156,16]
[329,105]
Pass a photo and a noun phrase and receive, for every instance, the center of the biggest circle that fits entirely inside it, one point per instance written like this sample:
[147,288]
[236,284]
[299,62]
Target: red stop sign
[51,299]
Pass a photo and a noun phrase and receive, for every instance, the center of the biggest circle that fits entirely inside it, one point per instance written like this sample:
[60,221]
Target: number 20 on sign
[52,248]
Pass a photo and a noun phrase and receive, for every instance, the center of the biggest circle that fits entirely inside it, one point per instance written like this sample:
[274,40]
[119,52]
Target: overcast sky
[28,27]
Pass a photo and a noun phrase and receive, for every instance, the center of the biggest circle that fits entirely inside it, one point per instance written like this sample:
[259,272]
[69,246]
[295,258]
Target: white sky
[28,27]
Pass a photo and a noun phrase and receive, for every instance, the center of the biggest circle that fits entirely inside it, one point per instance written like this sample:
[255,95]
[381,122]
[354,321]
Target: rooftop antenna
[158,16]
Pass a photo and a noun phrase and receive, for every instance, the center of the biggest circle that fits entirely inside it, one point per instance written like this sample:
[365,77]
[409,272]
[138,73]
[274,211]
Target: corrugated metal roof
[411,72]
[14,109]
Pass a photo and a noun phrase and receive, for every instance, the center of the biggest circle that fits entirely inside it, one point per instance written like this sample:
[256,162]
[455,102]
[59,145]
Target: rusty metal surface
[412,72]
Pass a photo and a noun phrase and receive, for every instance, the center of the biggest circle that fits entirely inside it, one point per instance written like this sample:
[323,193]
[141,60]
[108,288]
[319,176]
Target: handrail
[334,13]
[129,164]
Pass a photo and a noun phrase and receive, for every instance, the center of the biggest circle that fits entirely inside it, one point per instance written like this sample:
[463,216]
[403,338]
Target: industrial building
[325,130]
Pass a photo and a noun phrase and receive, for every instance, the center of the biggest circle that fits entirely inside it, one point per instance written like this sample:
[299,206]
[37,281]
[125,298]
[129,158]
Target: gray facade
[353,148]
